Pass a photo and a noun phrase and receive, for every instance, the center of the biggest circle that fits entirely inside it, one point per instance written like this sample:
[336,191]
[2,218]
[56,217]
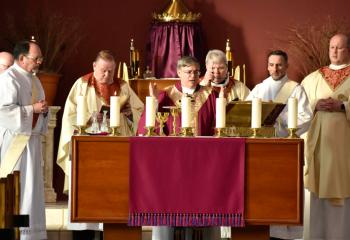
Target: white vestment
[327,156]
[129,102]
[16,117]
[267,91]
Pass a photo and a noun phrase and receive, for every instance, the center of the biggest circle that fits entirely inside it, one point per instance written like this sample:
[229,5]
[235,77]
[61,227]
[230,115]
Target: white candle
[186,112]
[256,113]
[81,111]
[292,112]
[150,111]
[114,114]
[220,112]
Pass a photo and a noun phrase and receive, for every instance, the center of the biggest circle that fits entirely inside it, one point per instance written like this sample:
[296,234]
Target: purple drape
[186,181]
[168,42]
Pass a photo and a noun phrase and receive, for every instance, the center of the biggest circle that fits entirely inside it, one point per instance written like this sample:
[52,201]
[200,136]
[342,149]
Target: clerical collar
[21,70]
[221,84]
[186,90]
[338,67]
[279,81]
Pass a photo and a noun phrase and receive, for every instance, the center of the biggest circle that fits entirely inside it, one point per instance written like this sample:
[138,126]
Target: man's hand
[153,90]
[208,78]
[40,107]
[329,105]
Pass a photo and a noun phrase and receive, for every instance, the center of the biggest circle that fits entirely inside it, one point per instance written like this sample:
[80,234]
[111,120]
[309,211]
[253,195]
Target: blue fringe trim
[186,219]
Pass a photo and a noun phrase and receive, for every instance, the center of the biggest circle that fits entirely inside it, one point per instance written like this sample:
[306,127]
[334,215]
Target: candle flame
[115,93]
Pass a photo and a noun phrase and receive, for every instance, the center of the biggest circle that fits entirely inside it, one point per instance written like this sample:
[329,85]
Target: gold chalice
[162,117]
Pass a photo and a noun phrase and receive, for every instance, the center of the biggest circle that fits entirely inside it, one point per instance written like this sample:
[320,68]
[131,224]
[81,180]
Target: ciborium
[162,117]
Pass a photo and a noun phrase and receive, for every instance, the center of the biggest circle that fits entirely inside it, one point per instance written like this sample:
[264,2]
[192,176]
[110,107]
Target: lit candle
[150,111]
[114,120]
[220,112]
[256,113]
[81,113]
[292,112]
[186,112]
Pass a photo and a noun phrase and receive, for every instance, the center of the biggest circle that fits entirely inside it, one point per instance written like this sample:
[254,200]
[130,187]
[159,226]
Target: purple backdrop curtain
[168,42]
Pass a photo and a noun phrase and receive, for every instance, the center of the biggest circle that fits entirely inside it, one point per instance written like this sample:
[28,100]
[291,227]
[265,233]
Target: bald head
[339,49]
[6,60]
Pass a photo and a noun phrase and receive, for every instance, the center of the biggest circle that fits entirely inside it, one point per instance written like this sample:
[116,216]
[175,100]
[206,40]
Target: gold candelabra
[81,130]
[187,132]
[255,133]
[115,131]
[150,131]
[162,117]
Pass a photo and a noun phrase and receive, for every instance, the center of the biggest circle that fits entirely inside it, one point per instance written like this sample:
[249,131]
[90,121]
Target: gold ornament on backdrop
[176,12]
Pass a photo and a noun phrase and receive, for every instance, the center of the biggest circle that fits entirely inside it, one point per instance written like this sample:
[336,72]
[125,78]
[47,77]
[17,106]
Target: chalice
[162,117]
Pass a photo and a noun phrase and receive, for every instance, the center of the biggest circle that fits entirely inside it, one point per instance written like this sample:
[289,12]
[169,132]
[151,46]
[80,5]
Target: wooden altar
[273,185]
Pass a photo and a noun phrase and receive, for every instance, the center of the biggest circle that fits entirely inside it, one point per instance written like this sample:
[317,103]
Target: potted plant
[58,37]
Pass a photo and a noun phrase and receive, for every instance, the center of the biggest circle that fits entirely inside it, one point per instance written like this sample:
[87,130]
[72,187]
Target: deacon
[327,174]
[23,120]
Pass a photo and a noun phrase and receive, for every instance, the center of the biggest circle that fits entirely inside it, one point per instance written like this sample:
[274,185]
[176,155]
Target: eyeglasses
[36,60]
[195,72]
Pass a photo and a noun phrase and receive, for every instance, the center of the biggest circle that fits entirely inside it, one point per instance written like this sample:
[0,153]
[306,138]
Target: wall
[252,26]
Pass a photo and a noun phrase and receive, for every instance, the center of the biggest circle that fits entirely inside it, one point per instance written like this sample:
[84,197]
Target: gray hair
[187,61]
[216,55]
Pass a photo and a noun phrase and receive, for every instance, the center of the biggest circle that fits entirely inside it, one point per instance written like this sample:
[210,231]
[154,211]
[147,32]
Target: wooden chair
[10,219]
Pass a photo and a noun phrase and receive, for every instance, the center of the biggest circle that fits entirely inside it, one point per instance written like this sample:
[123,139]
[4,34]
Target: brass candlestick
[255,133]
[174,111]
[220,132]
[81,130]
[162,117]
[292,133]
[150,132]
[187,132]
[115,131]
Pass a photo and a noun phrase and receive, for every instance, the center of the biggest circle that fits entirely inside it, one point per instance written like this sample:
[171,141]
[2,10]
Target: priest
[202,99]
[97,88]
[327,173]
[217,77]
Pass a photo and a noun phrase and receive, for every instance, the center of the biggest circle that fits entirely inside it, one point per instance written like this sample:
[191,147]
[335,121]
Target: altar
[273,184]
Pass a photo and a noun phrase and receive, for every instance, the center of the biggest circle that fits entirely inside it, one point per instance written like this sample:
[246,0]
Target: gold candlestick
[220,132]
[162,117]
[174,111]
[81,130]
[187,132]
[255,133]
[150,132]
[115,131]
[292,133]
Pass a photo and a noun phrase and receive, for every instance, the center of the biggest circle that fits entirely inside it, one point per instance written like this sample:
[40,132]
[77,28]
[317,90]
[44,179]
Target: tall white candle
[186,112]
[292,112]
[256,113]
[220,112]
[81,111]
[150,111]
[114,120]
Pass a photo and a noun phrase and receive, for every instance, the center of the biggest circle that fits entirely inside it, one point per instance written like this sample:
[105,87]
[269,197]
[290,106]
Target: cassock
[327,171]
[96,95]
[268,90]
[18,91]
[203,109]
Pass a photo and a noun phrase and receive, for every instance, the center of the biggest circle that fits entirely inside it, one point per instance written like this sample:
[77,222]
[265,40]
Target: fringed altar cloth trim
[185,220]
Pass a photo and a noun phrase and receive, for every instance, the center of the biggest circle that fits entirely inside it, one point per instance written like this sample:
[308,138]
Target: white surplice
[16,117]
[267,91]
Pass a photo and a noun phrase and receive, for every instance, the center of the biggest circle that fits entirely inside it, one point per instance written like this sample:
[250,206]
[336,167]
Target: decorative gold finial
[177,12]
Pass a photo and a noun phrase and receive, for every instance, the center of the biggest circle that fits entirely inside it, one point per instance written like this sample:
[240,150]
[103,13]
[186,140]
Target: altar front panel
[100,180]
